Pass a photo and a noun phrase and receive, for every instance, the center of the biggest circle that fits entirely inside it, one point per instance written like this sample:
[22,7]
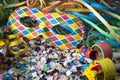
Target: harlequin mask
[60,29]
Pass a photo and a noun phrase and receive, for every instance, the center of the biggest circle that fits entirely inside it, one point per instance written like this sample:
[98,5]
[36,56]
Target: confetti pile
[45,62]
[59,39]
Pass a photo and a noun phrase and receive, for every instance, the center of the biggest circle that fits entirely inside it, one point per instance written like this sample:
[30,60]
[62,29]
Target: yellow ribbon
[36,3]
[12,5]
[77,7]
[93,74]
[13,36]
[2,43]
[108,68]
[15,41]
[107,71]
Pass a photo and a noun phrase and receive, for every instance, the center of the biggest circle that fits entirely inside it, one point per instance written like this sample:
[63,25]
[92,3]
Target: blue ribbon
[109,18]
[99,6]
[93,18]
[97,34]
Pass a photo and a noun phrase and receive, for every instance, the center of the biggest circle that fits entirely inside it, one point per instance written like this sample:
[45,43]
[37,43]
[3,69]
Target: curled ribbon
[16,46]
[35,3]
[2,43]
[75,7]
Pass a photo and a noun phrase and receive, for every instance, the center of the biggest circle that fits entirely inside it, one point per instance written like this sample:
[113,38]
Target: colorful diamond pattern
[46,22]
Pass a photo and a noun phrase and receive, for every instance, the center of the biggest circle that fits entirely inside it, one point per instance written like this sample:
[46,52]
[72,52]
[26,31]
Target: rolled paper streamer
[92,72]
[92,54]
[101,70]
[108,68]
[116,55]
[104,50]
[111,42]
[61,30]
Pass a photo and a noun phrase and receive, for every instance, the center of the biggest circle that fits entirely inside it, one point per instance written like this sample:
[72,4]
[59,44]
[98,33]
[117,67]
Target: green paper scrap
[19,73]
[45,68]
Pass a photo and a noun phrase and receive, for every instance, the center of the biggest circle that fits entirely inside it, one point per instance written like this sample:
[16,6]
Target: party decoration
[60,29]
[100,70]
[89,53]
[16,46]
[104,49]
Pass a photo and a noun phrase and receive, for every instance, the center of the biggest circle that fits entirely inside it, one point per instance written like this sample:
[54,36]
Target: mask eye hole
[29,21]
[62,29]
